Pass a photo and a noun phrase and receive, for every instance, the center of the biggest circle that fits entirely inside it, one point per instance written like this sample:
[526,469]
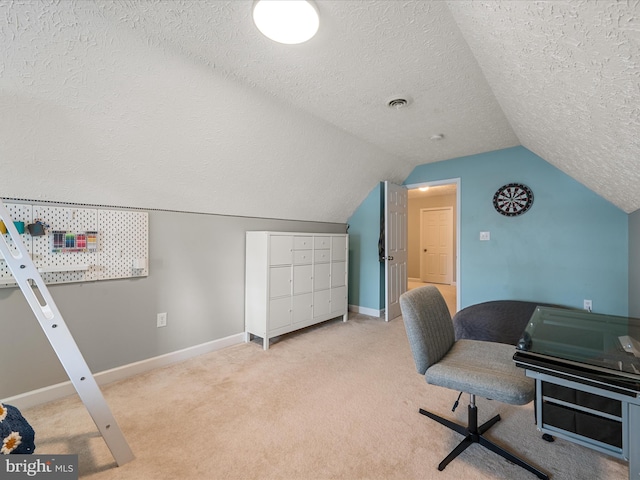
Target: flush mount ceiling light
[286,21]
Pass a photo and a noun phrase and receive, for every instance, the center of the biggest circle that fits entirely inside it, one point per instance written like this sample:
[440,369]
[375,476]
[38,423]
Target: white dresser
[293,280]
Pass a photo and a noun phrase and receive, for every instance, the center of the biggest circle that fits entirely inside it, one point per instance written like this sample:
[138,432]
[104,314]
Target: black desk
[587,372]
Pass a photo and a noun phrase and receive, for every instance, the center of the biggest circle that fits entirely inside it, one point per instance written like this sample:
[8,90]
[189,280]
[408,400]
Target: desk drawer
[592,426]
[583,399]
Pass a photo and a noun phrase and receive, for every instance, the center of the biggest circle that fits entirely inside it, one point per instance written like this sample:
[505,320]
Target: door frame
[449,181]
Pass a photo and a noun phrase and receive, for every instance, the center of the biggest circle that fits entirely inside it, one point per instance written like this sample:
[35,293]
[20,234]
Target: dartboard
[513,199]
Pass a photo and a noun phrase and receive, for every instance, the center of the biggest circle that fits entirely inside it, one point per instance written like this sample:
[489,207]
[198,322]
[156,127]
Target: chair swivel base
[473,434]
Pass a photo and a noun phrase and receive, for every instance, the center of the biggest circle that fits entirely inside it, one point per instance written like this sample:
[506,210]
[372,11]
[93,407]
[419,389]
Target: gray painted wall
[196,275]
[634,264]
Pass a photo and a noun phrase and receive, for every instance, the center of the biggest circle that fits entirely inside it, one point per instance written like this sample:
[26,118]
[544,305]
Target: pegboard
[123,243]
[82,244]
[64,266]
[19,213]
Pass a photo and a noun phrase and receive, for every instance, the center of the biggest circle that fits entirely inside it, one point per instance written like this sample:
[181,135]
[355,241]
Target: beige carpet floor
[335,401]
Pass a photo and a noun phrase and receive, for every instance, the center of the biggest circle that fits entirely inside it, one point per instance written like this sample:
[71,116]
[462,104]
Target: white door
[395,240]
[436,245]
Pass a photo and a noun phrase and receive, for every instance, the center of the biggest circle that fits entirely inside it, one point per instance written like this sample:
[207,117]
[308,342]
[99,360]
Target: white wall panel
[123,245]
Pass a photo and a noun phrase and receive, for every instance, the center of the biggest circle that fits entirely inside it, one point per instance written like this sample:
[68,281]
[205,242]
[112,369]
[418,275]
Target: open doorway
[432,238]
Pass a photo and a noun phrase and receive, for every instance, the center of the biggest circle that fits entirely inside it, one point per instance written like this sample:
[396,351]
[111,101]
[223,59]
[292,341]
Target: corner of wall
[364,270]
[634,264]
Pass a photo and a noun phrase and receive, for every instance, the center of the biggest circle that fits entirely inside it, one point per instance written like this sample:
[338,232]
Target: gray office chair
[472,366]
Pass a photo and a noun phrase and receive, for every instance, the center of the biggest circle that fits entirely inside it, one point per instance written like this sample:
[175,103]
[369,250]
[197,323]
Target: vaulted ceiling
[184,105]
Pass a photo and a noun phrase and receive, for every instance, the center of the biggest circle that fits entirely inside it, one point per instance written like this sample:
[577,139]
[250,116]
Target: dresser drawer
[302,243]
[595,427]
[338,274]
[321,242]
[583,399]
[279,281]
[321,256]
[338,248]
[288,282]
[321,276]
[280,250]
[301,257]
[279,313]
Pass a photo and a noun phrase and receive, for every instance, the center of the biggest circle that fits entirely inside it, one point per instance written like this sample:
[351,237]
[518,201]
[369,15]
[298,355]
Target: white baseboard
[64,389]
[366,311]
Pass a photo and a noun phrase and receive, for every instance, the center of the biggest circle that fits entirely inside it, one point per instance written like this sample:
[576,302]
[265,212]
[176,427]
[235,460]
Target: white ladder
[26,276]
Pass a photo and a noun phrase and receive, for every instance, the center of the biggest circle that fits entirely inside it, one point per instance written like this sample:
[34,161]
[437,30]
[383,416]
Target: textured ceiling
[567,75]
[184,105]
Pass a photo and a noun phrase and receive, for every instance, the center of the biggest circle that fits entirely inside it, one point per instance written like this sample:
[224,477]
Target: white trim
[372,312]
[446,181]
[64,389]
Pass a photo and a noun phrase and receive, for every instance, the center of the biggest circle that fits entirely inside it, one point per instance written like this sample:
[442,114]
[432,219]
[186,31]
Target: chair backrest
[428,324]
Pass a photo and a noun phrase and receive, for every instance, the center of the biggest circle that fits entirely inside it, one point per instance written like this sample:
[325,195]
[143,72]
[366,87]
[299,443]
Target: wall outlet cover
[161,320]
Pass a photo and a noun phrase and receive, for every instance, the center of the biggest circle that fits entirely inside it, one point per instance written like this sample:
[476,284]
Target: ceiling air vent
[397,103]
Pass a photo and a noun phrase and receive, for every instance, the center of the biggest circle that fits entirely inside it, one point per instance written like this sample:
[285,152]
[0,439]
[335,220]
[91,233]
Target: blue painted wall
[366,273]
[570,246]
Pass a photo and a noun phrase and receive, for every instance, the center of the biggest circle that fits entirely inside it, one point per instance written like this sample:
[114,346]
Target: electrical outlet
[588,305]
[484,236]
[161,320]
